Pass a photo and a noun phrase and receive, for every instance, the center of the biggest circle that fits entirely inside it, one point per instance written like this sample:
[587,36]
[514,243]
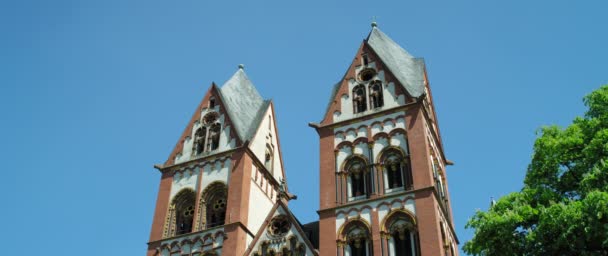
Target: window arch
[376,98]
[359,179]
[355,236]
[268,159]
[397,169]
[181,213]
[437,175]
[199,140]
[207,137]
[214,137]
[212,102]
[359,99]
[213,205]
[402,235]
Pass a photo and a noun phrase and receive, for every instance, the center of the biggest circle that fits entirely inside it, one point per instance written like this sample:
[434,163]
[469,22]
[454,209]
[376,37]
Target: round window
[210,118]
[367,74]
[279,226]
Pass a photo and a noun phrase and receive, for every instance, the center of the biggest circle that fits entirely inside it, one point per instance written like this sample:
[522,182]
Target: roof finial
[374,23]
[241,66]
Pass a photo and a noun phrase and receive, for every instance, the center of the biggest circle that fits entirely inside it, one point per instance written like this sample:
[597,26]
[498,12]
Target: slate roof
[407,69]
[244,104]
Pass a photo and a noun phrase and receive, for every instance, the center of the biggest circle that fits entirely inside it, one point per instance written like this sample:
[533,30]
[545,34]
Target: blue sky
[93,93]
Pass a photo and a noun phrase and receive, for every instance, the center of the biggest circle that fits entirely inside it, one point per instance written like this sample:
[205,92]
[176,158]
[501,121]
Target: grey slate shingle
[244,104]
[407,69]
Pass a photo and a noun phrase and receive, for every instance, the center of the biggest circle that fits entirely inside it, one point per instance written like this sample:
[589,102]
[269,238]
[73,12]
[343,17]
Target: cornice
[365,117]
[162,168]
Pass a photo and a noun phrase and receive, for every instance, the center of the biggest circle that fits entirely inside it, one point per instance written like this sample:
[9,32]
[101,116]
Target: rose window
[279,226]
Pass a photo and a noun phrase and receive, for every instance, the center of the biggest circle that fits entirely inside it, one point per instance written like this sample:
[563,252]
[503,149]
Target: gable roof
[306,232]
[243,103]
[407,69]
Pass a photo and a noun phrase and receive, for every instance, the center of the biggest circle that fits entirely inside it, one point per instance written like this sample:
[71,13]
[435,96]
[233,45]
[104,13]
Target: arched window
[199,140]
[397,169]
[376,98]
[268,155]
[438,179]
[359,99]
[181,213]
[214,137]
[211,102]
[356,238]
[207,138]
[213,205]
[403,237]
[358,176]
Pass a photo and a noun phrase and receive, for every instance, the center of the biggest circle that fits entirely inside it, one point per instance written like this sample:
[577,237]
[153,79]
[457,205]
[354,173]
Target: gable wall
[266,135]
[277,244]
[261,200]
[227,142]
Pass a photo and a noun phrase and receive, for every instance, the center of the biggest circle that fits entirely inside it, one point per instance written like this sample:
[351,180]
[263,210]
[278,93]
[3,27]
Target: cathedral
[383,185]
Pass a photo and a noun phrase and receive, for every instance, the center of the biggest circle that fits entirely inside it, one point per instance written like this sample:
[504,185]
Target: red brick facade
[387,219]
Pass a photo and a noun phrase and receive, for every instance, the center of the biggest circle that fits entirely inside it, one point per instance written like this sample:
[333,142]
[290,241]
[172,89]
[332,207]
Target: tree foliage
[563,207]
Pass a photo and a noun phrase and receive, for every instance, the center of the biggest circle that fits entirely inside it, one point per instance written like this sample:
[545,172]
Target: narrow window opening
[359,99]
[365,59]
[211,102]
[184,206]
[375,95]
[199,140]
[215,206]
[214,137]
[268,159]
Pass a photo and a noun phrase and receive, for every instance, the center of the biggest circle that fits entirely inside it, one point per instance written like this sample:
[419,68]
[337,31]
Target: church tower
[383,185]
[222,178]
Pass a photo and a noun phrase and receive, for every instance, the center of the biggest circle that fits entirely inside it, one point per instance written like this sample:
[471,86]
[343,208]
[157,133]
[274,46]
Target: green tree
[563,207]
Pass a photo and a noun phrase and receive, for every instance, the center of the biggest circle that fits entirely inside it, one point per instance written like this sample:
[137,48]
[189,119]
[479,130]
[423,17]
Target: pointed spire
[243,103]
[408,70]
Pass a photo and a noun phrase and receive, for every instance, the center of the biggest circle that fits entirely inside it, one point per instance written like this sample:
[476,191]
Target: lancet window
[376,98]
[207,137]
[211,102]
[438,180]
[213,205]
[358,177]
[397,169]
[359,99]
[181,213]
[199,140]
[268,155]
[214,136]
